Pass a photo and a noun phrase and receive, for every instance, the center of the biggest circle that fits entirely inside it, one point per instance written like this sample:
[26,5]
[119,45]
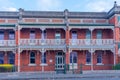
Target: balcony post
[42,36]
[42,59]
[91,51]
[91,30]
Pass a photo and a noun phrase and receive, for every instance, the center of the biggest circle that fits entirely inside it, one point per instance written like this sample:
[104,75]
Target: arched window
[1,58]
[43,59]
[99,58]
[32,58]
[11,58]
[73,57]
[88,58]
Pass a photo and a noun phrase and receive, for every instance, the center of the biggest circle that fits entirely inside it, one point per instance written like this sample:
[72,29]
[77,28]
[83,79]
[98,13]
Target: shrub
[116,67]
[6,67]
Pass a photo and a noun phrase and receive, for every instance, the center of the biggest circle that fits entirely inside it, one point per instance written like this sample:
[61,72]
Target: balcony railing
[7,43]
[91,41]
[38,42]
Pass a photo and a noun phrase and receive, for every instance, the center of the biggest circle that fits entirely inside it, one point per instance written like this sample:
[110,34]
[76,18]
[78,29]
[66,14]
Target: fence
[67,69]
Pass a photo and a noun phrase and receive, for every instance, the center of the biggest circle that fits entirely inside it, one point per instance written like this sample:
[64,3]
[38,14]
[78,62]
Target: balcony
[7,43]
[85,42]
[38,42]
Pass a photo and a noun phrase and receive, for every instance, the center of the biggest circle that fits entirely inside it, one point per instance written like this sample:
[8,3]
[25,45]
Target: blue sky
[58,5]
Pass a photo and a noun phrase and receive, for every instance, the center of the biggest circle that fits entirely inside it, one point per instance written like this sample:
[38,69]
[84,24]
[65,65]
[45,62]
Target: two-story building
[49,40]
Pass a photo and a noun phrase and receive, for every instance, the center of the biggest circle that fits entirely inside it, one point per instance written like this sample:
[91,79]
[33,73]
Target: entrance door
[60,61]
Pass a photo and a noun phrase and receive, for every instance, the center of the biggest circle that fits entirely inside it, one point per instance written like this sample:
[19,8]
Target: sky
[58,5]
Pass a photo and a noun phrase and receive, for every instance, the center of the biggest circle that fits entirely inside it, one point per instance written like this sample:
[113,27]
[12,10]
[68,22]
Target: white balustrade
[91,41]
[42,42]
[7,43]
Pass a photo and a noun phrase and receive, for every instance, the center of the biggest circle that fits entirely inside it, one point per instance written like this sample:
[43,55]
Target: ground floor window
[32,58]
[1,58]
[99,58]
[88,58]
[43,59]
[73,57]
[11,58]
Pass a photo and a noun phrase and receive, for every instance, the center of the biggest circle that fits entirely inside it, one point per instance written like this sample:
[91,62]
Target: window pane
[1,35]
[99,34]
[11,35]
[11,58]
[74,35]
[32,57]
[32,34]
[1,58]
[73,57]
[57,35]
[88,58]
[88,34]
[99,58]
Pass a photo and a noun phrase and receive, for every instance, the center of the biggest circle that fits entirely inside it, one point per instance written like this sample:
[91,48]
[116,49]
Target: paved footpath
[53,76]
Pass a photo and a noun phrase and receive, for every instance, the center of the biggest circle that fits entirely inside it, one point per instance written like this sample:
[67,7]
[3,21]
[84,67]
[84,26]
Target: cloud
[101,5]
[7,5]
[48,4]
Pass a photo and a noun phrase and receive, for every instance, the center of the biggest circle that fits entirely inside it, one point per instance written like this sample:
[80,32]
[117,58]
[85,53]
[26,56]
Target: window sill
[31,64]
[87,64]
[99,64]
[73,64]
[43,64]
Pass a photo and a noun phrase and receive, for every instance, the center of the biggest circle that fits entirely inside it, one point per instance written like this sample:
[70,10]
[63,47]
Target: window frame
[32,58]
[2,57]
[73,57]
[99,58]
[88,58]
[11,58]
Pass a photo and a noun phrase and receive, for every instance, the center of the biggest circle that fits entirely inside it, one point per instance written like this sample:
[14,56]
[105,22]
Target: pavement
[100,75]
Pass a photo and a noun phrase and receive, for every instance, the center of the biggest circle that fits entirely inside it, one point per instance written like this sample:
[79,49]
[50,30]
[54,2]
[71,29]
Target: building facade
[49,40]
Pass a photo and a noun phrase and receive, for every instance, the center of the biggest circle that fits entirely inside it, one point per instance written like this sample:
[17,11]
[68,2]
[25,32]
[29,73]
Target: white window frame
[88,56]
[30,58]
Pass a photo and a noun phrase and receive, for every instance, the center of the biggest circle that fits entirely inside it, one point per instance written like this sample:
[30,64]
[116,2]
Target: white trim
[99,64]
[31,64]
[88,64]
[43,64]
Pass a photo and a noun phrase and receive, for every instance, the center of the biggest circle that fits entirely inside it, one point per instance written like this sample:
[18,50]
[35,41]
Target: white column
[91,51]
[19,28]
[18,59]
[42,36]
[42,59]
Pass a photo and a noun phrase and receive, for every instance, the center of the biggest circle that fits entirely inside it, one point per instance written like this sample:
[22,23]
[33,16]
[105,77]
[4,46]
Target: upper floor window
[1,35]
[74,34]
[1,58]
[99,58]
[32,58]
[43,59]
[88,34]
[57,35]
[99,34]
[32,34]
[88,58]
[11,35]
[73,57]
[11,58]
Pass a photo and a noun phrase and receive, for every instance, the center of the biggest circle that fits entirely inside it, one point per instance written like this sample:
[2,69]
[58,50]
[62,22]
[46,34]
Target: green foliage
[116,67]
[6,67]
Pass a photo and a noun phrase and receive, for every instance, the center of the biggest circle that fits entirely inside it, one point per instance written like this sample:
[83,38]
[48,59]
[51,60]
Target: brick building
[47,40]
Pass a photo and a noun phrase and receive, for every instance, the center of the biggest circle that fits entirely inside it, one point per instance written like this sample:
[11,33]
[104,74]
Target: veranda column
[42,36]
[92,51]
[42,59]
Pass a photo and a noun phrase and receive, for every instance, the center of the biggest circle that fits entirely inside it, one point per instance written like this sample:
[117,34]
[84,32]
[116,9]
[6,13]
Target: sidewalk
[48,76]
